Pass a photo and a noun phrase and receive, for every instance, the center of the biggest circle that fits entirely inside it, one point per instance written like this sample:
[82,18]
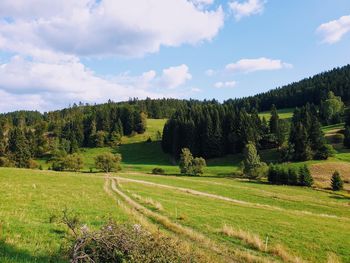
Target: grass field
[298,222]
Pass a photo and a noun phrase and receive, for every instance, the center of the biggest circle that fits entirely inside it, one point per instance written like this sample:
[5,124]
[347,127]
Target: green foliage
[332,109]
[108,162]
[19,151]
[305,177]
[72,162]
[280,174]
[189,165]
[5,162]
[252,166]
[336,182]
[306,139]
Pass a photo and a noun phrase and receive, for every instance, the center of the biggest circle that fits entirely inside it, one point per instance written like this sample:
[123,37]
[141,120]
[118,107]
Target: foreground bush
[123,243]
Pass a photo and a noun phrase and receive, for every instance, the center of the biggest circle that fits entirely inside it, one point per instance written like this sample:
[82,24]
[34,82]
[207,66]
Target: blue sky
[52,55]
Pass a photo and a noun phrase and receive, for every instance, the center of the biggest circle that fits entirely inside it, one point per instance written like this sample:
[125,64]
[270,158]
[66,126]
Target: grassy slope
[311,236]
[30,198]
[294,217]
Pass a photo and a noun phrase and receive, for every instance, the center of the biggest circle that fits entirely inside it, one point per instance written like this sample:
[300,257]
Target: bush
[108,162]
[189,165]
[158,171]
[126,243]
[5,162]
[336,182]
[33,164]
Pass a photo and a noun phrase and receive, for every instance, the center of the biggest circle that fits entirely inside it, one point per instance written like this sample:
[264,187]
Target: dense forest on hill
[208,128]
[311,90]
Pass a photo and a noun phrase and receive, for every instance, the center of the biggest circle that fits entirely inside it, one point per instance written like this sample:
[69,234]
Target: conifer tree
[336,182]
[19,148]
[305,177]
[274,119]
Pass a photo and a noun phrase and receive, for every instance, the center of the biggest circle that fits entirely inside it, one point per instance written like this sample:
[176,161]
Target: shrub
[108,162]
[5,162]
[32,164]
[158,171]
[125,243]
[189,165]
[336,182]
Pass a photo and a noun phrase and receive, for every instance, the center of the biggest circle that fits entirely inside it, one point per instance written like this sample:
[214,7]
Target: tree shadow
[10,253]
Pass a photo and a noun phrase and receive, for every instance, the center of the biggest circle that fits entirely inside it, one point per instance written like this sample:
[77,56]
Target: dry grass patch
[322,173]
[255,242]
[251,239]
[333,258]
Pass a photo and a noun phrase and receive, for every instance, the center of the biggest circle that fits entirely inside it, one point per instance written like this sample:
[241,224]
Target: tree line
[310,90]
[25,136]
[215,130]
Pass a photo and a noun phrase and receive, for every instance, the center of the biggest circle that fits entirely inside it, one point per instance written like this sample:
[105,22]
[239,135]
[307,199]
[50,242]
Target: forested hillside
[310,90]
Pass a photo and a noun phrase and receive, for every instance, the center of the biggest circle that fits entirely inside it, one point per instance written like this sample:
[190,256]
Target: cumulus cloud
[259,64]
[247,8]
[51,85]
[106,27]
[175,76]
[333,31]
[227,84]
[49,38]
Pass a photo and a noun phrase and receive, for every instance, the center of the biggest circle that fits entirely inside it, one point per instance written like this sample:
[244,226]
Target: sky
[59,52]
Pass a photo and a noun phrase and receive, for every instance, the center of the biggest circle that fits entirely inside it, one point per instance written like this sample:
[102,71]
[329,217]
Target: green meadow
[255,220]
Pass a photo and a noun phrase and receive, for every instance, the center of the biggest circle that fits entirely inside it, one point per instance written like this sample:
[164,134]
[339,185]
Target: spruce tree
[273,123]
[305,178]
[19,148]
[336,182]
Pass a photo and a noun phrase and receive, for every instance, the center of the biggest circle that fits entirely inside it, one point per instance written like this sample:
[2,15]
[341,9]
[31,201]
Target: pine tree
[305,177]
[336,182]
[19,148]
[251,162]
[273,123]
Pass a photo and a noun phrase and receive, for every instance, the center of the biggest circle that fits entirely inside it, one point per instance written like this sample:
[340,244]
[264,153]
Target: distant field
[283,114]
[298,222]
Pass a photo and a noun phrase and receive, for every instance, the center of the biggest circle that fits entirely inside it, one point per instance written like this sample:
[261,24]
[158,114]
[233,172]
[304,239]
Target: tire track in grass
[231,200]
[199,238]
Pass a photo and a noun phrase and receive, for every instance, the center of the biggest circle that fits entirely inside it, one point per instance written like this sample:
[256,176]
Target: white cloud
[107,27]
[333,31]
[247,8]
[175,76]
[259,64]
[210,72]
[227,84]
[43,86]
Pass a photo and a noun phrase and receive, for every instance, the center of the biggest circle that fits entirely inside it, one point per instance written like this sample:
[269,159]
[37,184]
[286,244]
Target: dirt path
[231,200]
[228,255]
